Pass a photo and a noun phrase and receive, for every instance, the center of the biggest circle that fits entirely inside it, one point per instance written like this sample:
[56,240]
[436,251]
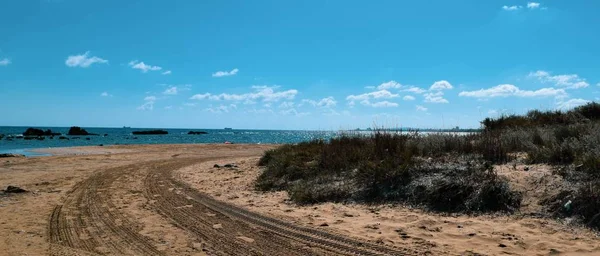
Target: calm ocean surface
[123,136]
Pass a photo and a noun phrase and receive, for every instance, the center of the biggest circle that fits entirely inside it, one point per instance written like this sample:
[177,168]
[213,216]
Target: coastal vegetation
[445,172]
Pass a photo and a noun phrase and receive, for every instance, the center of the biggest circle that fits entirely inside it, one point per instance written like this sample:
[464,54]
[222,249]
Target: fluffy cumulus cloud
[533,5]
[381,104]
[435,97]
[225,73]
[143,66]
[325,102]
[436,94]
[421,108]
[511,7]
[508,90]
[568,81]
[389,85]
[172,90]
[408,97]
[4,62]
[264,93]
[440,85]
[83,60]
[221,108]
[148,103]
[381,94]
[168,72]
[414,89]
[569,104]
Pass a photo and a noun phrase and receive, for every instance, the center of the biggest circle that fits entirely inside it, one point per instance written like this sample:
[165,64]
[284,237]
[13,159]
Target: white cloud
[172,90]
[511,8]
[389,85]
[4,62]
[105,94]
[533,5]
[381,94]
[83,60]
[416,90]
[142,66]
[221,108]
[148,104]
[435,97]
[492,112]
[201,96]
[225,73]
[325,102]
[264,93]
[507,90]
[292,111]
[408,97]
[569,104]
[285,104]
[421,108]
[380,104]
[168,72]
[440,85]
[570,81]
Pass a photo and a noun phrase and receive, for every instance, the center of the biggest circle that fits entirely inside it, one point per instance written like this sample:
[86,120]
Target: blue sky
[292,64]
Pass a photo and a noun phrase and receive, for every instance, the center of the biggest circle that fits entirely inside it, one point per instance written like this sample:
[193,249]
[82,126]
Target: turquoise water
[123,136]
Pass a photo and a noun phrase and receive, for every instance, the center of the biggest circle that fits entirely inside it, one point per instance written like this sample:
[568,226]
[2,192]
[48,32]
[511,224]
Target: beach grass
[446,172]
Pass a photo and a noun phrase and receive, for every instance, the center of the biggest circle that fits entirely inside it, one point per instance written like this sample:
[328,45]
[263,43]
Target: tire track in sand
[221,225]
[88,221]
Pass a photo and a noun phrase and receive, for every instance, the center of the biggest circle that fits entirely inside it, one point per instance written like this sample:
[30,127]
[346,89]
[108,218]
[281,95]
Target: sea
[124,136]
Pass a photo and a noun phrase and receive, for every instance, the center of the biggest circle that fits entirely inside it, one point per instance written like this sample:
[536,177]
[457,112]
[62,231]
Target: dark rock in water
[216,166]
[87,138]
[1,136]
[76,130]
[28,138]
[151,132]
[134,138]
[39,132]
[197,132]
[101,145]
[63,138]
[10,155]
[105,134]
[13,189]
[41,138]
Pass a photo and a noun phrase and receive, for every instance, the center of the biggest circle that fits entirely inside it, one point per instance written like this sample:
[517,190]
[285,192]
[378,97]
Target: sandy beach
[172,200]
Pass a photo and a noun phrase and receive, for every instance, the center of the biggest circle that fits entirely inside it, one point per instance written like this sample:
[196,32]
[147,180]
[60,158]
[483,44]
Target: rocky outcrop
[150,132]
[10,155]
[76,130]
[14,189]
[197,132]
[39,132]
